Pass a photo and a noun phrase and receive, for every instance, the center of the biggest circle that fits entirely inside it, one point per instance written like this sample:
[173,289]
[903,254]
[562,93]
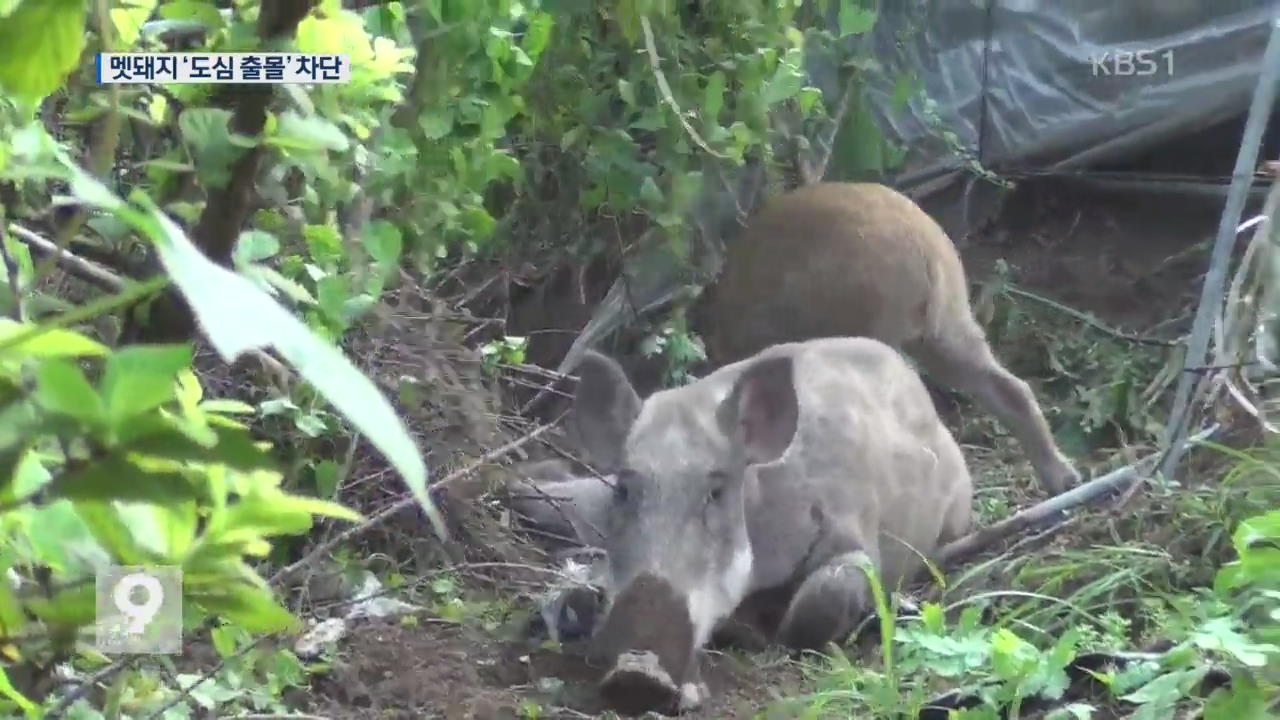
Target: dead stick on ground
[980,539]
[410,501]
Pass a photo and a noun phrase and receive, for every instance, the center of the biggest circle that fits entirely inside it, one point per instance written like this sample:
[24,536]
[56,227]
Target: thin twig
[409,501]
[982,538]
[84,686]
[665,89]
[69,262]
[1090,320]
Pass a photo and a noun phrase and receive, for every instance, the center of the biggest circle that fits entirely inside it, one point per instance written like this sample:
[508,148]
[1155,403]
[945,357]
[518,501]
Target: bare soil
[390,670]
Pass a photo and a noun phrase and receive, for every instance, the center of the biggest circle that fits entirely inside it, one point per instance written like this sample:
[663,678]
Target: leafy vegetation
[475,137]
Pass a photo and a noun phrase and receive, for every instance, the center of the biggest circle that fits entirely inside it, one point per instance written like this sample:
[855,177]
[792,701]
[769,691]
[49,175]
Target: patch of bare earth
[389,670]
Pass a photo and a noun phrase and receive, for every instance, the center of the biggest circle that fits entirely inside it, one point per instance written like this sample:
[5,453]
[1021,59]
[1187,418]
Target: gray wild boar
[861,259]
[772,477]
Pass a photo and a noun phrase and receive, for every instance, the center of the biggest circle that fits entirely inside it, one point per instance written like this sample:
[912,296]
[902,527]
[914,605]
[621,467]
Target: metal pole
[1264,96]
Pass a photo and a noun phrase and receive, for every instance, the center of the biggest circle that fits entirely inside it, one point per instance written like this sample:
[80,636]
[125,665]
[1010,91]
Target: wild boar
[775,476]
[861,259]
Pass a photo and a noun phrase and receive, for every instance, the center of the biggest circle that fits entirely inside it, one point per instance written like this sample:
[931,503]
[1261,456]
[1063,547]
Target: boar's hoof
[637,684]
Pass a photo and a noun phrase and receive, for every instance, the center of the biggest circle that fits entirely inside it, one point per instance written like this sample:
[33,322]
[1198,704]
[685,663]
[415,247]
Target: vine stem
[652,49]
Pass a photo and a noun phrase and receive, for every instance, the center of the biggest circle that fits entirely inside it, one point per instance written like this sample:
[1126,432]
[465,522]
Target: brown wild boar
[860,259]
[772,477]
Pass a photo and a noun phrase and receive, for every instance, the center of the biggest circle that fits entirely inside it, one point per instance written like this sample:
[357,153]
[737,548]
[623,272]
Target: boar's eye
[718,479]
[620,483]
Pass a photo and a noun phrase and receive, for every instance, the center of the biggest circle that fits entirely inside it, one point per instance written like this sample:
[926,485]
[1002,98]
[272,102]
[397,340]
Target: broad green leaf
[72,607]
[249,607]
[141,378]
[855,20]
[235,448]
[62,540]
[115,478]
[384,244]
[103,520]
[203,12]
[310,132]
[61,387]
[128,21]
[40,43]
[207,132]
[435,124]
[221,300]
[255,246]
[48,344]
[785,83]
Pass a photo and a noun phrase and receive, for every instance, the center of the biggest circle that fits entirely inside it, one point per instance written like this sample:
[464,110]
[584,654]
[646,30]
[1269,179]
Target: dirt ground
[1130,260]
[437,670]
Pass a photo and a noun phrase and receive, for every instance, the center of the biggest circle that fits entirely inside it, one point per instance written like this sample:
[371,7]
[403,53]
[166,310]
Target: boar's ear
[762,411]
[604,407]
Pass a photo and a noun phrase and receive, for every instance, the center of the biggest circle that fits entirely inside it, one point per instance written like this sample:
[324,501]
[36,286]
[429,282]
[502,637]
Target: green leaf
[327,475]
[12,619]
[8,690]
[221,300]
[40,43]
[141,378]
[207,132]
[61,387]
[128,20]
[60,539]
[50,343]
[855,20]
[435,124]
[200,11]
[115,478]
[383,242]
[235,448]
[1241,700]
[249,607]
[713,97]
[310,132]
[255,246]
[785,83]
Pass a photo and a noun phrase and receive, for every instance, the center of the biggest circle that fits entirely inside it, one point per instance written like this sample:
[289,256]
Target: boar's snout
[647,644]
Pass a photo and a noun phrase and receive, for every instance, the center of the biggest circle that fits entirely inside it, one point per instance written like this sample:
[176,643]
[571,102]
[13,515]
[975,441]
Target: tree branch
[227,207]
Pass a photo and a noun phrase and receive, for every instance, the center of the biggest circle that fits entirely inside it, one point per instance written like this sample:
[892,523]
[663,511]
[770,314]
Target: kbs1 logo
[1132,63]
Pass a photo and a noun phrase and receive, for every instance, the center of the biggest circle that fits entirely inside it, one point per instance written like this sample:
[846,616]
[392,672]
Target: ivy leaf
[40,44]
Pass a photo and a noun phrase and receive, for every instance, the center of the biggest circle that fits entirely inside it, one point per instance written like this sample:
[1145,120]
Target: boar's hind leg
[827,603]
[960,357]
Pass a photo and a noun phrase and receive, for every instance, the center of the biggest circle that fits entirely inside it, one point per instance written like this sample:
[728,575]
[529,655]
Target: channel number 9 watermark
[139,610]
